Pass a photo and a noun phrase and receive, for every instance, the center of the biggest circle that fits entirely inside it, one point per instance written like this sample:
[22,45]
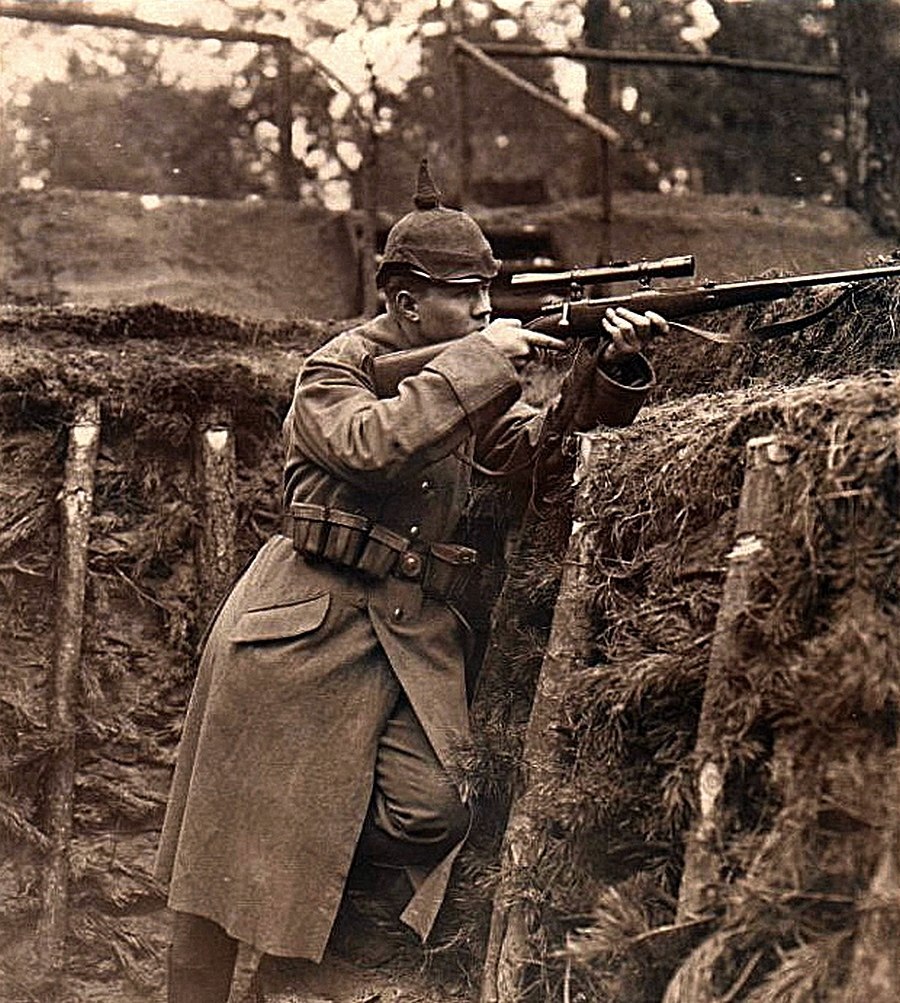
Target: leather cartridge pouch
[347,533]
[448,570]
[309,528]
[350,540]
[381,552]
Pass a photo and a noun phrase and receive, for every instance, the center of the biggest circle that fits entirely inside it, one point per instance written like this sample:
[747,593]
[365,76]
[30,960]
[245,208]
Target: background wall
[276,259]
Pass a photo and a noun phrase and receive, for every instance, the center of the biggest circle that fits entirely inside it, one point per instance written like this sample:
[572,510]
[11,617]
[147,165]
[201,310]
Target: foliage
[373,82]
[726,131]
[133,132]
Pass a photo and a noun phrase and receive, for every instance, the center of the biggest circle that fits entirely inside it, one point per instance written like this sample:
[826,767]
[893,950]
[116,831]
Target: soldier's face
[448,311]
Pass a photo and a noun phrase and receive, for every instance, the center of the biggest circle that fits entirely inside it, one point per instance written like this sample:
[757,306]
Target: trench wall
[276,259]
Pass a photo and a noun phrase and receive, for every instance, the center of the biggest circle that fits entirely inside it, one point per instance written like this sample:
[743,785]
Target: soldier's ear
[407,304]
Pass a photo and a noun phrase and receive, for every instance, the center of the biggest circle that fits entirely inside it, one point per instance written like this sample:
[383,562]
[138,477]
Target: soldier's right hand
[518,343]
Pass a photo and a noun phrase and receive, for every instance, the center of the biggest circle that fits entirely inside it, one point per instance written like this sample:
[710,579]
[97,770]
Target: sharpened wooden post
[76,503]
[759,510]
[215,545]
[509,950]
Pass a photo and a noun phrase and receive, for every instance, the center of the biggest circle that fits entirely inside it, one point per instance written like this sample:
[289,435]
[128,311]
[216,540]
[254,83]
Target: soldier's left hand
[630,331]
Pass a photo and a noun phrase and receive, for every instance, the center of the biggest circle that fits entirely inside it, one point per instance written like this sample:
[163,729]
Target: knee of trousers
[444,822]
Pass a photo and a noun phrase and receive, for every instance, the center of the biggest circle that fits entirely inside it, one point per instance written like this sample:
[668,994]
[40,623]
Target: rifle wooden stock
[583,318]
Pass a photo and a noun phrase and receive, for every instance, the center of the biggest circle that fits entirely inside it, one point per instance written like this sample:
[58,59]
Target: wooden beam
[622,57]
[71,15]
[475,53]
[463,125]
[284,116]
[76,504]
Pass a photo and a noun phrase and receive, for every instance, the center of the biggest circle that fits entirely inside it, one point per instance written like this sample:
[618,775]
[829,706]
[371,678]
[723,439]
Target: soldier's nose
[482,304]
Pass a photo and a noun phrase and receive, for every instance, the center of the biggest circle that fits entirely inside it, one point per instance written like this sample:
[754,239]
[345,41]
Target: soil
[275,259]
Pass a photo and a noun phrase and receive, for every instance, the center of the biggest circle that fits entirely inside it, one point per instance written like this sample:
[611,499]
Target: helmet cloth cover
[439,243]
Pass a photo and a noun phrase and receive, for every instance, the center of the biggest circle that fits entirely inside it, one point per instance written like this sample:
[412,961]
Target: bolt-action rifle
[577,316]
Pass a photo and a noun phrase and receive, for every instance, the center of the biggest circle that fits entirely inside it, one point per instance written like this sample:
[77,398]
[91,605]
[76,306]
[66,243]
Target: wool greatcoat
[305,661]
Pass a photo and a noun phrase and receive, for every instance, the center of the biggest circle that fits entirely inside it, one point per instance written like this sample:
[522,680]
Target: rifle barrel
[813,279]
[685,300]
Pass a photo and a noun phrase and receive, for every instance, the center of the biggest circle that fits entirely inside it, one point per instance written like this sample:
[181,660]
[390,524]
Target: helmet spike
[427,195]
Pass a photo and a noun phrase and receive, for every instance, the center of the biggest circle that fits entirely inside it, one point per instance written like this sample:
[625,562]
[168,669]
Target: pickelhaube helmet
[436,242]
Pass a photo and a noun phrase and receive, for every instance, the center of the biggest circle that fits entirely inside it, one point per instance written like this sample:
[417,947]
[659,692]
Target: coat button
[397,613]
[414,531]
[426,485]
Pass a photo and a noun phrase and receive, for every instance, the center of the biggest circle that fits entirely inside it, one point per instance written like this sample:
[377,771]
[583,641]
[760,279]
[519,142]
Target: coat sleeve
[510,442]
[525,442]
[338,422]
[590,395]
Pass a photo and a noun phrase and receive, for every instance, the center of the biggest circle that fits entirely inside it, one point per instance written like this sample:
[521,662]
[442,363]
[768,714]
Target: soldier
[331,689]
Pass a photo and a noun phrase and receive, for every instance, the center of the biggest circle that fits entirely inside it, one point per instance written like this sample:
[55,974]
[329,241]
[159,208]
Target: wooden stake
[215,545]
[512,921]
[76,503]
[762,495]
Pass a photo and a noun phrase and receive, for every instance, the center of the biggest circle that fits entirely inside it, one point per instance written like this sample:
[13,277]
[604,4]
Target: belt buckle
[410,565]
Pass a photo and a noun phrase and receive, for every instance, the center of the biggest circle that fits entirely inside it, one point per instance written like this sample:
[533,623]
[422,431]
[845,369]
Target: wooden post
[868,30]
[571,633]
[597,23]
[367,246]
[215,543]
[76,503]
[284,114]
[463,126]
[759,509]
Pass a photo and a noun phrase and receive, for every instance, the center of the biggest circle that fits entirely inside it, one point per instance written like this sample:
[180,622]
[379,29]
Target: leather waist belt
[353,541]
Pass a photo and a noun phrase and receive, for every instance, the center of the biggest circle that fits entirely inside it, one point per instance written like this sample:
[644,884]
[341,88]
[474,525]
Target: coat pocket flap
[274,623]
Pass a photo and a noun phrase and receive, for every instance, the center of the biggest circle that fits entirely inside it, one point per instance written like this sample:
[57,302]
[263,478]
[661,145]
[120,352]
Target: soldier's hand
[518,343]
[630,331]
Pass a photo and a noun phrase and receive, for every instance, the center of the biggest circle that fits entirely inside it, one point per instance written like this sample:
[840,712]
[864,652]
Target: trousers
[415,818]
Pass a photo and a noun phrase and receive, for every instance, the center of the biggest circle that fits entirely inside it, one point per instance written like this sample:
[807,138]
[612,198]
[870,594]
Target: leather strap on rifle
[765,332]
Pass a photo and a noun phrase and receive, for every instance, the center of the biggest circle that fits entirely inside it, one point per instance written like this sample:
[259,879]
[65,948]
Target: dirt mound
[805,710]
[260,259]
[273,259]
